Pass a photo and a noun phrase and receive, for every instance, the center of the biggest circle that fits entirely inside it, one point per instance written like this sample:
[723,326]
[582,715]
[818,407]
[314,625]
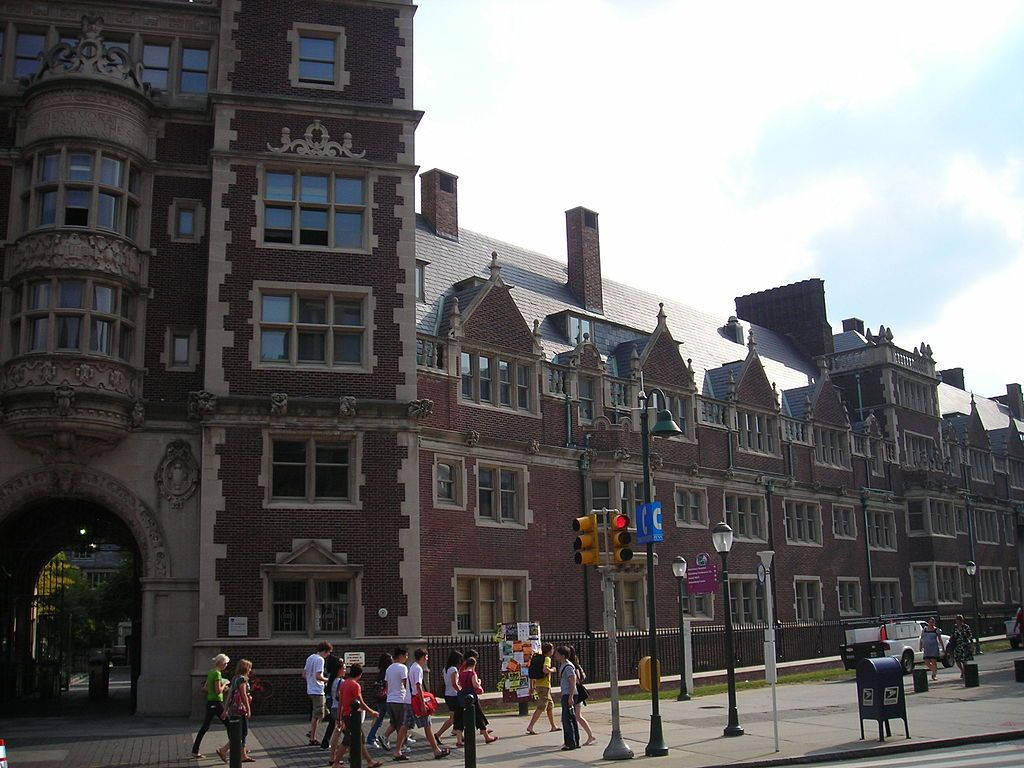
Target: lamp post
[679,571]
[664,426]
[972,569]
[721,535]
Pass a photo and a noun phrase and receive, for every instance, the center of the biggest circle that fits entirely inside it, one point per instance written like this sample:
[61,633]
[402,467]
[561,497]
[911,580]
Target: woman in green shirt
[214,687]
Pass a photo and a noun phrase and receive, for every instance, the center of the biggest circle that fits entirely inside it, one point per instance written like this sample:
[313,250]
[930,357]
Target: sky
[732,147]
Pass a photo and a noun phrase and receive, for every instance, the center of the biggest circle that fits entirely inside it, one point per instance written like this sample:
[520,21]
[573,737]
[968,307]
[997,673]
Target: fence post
[469,729]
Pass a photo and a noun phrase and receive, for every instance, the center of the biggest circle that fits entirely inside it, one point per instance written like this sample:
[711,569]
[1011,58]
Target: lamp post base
[733,730]
[656,743]
[683,696]
[617,749]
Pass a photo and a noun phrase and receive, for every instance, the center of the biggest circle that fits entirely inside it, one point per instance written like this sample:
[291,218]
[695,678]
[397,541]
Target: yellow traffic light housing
[620,540]
[586,544]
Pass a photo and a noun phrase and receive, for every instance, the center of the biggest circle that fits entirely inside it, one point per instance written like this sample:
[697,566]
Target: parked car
[1013,633]
[899,638]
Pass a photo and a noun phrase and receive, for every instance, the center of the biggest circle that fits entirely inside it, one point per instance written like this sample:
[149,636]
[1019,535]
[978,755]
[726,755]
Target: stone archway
[74,481]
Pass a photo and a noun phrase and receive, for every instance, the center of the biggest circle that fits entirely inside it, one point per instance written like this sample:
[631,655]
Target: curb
[887,749]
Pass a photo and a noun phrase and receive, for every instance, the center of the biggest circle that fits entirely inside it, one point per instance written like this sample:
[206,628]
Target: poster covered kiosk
[880,694]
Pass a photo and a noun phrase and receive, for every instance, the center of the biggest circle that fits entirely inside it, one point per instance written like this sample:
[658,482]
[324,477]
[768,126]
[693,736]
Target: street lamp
[663,427]
[679,571]
[721,535]
[972,568]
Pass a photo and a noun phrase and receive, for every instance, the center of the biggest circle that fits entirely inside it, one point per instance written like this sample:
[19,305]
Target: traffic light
[588,551]
[621,539]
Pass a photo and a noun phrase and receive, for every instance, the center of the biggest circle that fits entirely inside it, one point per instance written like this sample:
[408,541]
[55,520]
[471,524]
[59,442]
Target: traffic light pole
[617,748]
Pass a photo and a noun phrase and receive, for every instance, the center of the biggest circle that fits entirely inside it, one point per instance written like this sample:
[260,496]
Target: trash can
[880,694]
[99,676]
[1018,670]
[971,675]
[920,681]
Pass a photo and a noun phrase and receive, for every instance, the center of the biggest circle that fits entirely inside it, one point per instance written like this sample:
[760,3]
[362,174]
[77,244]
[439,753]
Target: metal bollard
[920,681]
[524,707]
[355,738]
[1018,670]
[971,675]
[234,726]
[469,730]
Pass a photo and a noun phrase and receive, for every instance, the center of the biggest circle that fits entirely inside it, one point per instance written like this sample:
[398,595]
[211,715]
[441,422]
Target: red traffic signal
[620,539]
[620,522]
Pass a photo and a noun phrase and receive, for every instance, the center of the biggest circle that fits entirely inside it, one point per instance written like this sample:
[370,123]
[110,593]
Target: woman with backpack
[239,704]
[581,695]
[540,671]
[451,698]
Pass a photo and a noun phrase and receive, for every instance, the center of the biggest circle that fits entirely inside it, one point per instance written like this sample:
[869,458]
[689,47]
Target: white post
[770,671]
[617,748]
[688,652]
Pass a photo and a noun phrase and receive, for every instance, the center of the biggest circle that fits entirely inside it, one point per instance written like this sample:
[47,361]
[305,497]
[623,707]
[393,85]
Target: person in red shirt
[350,696]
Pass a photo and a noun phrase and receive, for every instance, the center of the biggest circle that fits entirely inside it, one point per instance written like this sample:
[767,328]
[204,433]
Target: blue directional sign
[649,529]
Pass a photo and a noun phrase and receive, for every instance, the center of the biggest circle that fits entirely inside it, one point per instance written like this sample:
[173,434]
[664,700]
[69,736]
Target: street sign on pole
[702,576]
[649,528]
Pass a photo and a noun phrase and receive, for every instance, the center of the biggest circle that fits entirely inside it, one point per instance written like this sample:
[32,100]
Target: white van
[899,638]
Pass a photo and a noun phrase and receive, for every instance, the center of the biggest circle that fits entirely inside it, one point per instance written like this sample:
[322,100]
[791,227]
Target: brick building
[230,345]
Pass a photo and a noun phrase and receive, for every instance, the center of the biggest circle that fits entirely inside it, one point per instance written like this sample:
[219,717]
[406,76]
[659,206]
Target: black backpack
[536,670]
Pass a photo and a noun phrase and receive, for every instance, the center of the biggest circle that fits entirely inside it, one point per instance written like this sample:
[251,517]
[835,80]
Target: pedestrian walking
[469,683]
[581,696]
[313,674]
[213,686]
[451,698]
[962,640]
[380,700]
[335,671]
[349,696]
[932,646]
[540,670]
[567,684]
[399,712]
[238,704]
[417,692]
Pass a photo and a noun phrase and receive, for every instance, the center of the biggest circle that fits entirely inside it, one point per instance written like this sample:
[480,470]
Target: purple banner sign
[702,576]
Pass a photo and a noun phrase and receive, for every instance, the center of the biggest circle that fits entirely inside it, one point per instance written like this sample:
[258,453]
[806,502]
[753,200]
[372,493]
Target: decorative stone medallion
[177,477]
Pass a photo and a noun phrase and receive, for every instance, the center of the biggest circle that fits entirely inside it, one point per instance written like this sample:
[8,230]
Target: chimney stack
[854,324]
[584,247]
[1015,401]
[439,199]
[954,377]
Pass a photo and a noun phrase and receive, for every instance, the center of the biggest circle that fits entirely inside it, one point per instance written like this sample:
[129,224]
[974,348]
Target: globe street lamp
[972,568]
[679,571]
[721,535]
[663,427]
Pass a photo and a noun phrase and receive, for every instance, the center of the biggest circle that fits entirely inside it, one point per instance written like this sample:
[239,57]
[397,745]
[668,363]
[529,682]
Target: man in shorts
[416,689]
[313,673]
[542,687]
[396,680]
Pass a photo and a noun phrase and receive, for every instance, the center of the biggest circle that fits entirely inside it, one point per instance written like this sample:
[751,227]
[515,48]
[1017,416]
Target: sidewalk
[815,719]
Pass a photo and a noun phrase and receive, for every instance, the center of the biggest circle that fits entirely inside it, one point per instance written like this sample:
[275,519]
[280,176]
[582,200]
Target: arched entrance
[56,524]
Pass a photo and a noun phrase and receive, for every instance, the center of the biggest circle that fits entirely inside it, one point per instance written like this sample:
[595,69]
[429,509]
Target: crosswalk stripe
[992,755]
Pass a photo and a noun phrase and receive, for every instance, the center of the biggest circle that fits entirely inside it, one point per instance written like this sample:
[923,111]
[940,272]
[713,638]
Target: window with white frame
[691,507]
[870,450]
[430,354]
[919,450]
[194,74]
[500,494]
[746,600]
[699,606]
[844,522]
[745,515]
[27,47]
[156,65]
[966,584]
[915,395]
[313,328]
[421,287]
[314,210]
[848,590]
[1013,581]
[310,606]
[676,404]
[1015,469]
[448,482]
[577,327]
[73,187]
[986,523]
[803,522]
[887,596]
[631,496]
[960,519]
[587,387]
[1009,529]
[947,582]
[618,399]
[881,530]
[311,470]
[601,493]
[756,431]
[941,517]
[629,601]
[483,602]
[916,520]
[981,465]
[808,599]
[991,580]
[73,315]
[495,380]
[922,584]
[831,447]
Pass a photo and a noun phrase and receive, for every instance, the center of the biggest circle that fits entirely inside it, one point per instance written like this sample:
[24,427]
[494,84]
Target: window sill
[683,524]
[453,506]
[749,539]
[752,452]
[346,506]
[843,537]
[825,465]
[505,409]
[875,548]
[484,522]
[793,543]
[942,535]
[300,367]
[315,249]
[851,614]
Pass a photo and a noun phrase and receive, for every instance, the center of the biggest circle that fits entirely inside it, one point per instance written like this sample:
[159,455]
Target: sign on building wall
[702,576]
[238,626]
[517,642]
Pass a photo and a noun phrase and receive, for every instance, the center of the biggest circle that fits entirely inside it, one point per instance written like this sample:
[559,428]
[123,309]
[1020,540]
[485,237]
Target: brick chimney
[439,199]
[854,324]
[1015,401]
[954,377]
[584,246]
[796,310]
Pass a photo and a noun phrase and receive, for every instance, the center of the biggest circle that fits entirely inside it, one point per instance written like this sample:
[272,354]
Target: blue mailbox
[880,694]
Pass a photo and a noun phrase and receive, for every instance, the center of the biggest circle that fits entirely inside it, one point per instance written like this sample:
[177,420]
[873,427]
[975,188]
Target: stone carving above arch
[78,482]
[177,476]
[317,143]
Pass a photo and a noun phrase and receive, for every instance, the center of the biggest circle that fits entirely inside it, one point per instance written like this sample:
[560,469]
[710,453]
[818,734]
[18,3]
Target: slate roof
[848,340]
[538,286]
[994,415]
[794,401]
[716,380]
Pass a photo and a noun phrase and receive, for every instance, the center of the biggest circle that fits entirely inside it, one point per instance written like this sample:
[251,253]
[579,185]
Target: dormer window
[756,431]
[578,326]
[495,380]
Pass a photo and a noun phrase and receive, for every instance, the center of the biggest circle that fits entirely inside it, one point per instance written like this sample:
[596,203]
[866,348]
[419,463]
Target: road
[997,755]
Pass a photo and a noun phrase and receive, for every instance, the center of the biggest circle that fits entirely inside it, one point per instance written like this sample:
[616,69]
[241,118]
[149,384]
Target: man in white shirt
[313,673]
[396,681]
[416,688]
